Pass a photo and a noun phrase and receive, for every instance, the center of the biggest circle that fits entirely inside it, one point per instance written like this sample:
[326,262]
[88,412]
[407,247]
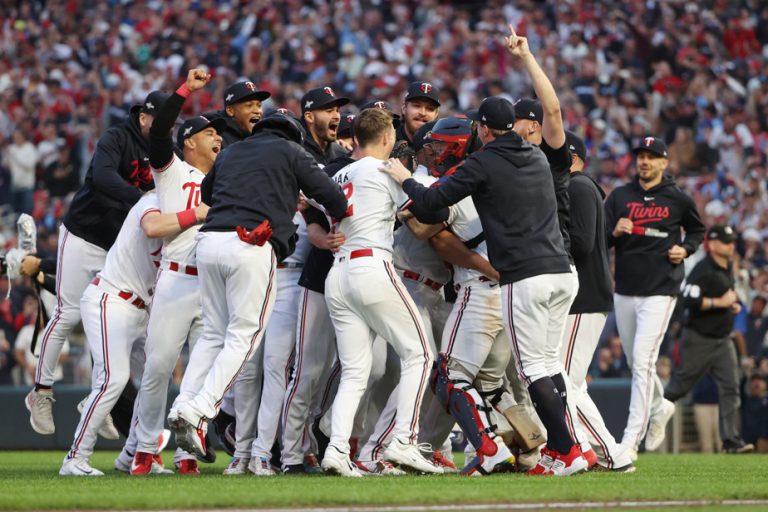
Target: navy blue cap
[345,125]
[495,112]
[321,97]
[423,90]
[152,103]
[197,124]
[576,145]
[527,108]
[243,91]
[653,145]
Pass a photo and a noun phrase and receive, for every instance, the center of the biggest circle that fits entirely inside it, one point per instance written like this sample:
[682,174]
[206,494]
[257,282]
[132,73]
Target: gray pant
[700,354]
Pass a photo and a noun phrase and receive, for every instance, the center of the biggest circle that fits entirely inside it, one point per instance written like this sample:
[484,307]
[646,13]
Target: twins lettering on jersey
[140,174]
[347,188]
[193,198]
[639,213]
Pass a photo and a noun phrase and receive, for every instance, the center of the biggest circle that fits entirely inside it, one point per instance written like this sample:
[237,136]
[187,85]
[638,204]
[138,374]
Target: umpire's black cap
[321,97]
[495,112]
[243,91]
[652,145]
[527,108]
[423,90]
[152,103]
[722,233]
[197,124]
[576,145]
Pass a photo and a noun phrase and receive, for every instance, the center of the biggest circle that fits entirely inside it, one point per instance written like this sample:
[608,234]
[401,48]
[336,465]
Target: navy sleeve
[466,180]
[160,137]
[206,187]
[583,218]
[106,169]
[317,185]
[693,226]
[611,217]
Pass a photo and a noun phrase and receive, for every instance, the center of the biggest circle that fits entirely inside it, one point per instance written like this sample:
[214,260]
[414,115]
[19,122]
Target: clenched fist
[197,79]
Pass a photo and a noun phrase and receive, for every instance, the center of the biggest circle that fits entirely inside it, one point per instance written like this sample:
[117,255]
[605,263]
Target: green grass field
[30,481]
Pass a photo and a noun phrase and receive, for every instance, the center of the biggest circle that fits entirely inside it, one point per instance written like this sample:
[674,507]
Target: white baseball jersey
[302,243]
[464,222]
[373,198]
[131,263]
[178,188]
[417,255]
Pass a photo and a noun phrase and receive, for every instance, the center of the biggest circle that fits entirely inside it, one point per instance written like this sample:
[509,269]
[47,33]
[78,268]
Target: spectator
[754,415]
[27,360]
[21,158]
[706,414]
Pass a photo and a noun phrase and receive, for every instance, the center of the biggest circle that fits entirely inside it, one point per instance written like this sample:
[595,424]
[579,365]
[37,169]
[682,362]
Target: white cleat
[123,462]
[237,466]
[501,462]
[260,466]
[338,463]
[165,436]
[78,467]
[378,468]
[189,437]
[40,406]
[657,428]
[108,429]
[409,456]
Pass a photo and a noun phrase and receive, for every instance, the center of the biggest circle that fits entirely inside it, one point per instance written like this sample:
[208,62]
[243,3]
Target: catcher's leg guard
[455,392]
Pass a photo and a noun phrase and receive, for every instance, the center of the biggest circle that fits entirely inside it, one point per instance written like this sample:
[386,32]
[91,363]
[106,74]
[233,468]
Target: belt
[126,296]
[184,269]
[415,276]
[290,265]
[358,253]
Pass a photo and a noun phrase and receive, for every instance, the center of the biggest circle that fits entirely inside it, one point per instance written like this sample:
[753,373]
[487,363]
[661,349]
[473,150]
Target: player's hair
[497,132]
[371,124]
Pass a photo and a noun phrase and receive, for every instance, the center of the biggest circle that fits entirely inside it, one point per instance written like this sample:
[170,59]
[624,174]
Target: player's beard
[414,124]
[325,133]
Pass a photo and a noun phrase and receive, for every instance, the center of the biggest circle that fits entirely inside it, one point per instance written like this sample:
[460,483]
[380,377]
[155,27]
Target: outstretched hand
[517,45]
[197,79]
[395,168]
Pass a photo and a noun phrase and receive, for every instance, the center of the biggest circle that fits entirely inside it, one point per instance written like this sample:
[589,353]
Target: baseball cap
[280,110]
[527,108]
[576,145]
[152,103]
[423,90]
[243,91]
[345,125]
[197,124]
[495,112]
[722,233]
[653,145]
[321,97]
[383,105]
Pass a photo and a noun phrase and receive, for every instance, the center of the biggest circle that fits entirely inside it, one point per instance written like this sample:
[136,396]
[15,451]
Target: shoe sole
[666,417]
[34,425]
[331,470]
[413,466]
[182,430]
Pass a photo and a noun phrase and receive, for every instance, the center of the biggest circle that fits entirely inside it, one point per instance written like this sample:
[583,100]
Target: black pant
[700,354]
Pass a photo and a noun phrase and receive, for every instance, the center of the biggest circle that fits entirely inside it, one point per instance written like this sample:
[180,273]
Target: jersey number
[193,199]
[347,189]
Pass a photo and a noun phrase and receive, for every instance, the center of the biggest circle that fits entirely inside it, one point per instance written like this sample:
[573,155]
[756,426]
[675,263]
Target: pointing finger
[512,31]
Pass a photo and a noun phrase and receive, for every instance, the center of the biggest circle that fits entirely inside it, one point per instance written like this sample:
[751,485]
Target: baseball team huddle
[353,286]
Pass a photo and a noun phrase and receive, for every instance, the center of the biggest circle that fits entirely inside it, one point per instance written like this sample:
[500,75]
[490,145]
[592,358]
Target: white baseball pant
[112,325]
[279,344]
[246,399]
[237,289]
[365,297]
[78,263]
[315,352]
[582,334]
[642,322]
[175,317]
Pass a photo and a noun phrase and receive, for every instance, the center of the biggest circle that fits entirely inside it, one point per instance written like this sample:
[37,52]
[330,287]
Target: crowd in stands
[694,73]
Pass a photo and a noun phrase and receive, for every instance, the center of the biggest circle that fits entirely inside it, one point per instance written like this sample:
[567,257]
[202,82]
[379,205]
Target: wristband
[183,91]
[187,218]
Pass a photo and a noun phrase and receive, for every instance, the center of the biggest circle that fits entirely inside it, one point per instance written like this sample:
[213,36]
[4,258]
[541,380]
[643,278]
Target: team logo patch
[426,87]
[187,131]
[328,91]
[149,106]
[308,104]
[229,97]
[250,86]
[283,111]
[380,105]
[648,141]
[350,118]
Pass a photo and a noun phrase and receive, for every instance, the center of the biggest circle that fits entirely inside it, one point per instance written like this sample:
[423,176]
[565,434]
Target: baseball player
[646,219]
[320,118]
[589,311]
[114,311]
[177,293]
[382,306]
[248,231]
[242,110]
[117,176]
[421,105]
[537,283]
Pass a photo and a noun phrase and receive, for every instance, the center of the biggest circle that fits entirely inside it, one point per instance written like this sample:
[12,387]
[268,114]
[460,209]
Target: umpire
[711,304]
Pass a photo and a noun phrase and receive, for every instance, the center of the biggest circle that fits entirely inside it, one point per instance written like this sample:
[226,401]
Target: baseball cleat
[210,453]
[629,468]
[568,464]
[78,467]
[378,468]
[590,456]
[123,462]
[409,456]
[338,463]
[737,445]
[237,466]
[657,428]
[187,467]
[40,406]
[189,437]
[294,469]
[311,465]
[162,442]
[260,466]
[500,462]
[438,459]
[142,463]
[224,426]
[546,459]
[527,460]
[158,467]
[108,429]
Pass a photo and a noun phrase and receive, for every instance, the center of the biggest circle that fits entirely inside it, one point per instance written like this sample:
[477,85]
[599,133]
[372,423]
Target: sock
[559,382]
[44,389]
[549,406]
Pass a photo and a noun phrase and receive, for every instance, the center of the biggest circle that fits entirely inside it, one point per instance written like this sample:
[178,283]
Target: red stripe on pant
[599,440]
[299,358]
[457,323]
[511,322]
[423,339]
[53,322]
[104,385]
[380,441]
[572,343]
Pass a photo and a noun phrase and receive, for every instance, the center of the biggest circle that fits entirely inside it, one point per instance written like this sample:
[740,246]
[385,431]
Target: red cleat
[188,467]
[546,459]
[438,459]
[591,457]
[142,463]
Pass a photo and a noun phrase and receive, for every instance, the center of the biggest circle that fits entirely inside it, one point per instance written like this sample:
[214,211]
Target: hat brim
[255,95]
[338,102]
[474,115]
[422,96]
[648,150]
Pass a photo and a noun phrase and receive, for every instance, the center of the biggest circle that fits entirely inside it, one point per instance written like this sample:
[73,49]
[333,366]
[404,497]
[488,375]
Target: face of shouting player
[418,112]
[245,113]
[323,124]
[650,168]
[207,145]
